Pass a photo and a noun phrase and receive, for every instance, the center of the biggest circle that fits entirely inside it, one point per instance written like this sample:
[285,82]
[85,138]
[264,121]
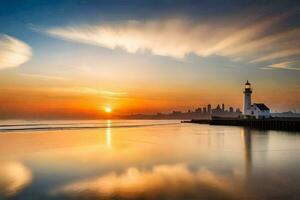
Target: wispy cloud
[278,55]
[284,65]
[43,76]
[91,91]
[253,42]
[111,93]
[13,52]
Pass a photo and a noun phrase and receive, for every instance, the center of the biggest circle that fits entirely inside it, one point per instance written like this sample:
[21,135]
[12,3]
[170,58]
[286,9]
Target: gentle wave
[30,124]
[72,126]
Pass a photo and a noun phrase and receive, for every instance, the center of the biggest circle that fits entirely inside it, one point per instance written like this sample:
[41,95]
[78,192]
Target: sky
[73,58]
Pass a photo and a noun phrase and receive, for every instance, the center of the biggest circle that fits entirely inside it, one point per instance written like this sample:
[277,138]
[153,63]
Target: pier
[290,124]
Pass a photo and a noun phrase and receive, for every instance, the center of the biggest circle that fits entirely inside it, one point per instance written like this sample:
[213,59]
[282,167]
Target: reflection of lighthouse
[247,99]
[247,143]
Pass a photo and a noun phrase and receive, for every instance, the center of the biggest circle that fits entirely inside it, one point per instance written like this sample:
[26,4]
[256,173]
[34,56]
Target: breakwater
[290,124]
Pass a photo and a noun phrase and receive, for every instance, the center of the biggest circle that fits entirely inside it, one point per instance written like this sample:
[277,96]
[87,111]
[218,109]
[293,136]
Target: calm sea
[132,159]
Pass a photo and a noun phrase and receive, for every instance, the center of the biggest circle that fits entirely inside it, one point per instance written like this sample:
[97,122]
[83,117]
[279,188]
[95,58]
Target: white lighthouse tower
[247,99]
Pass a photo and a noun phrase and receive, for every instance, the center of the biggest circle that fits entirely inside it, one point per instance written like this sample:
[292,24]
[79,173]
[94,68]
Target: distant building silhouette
[198,110]
[209,108]
[177,112]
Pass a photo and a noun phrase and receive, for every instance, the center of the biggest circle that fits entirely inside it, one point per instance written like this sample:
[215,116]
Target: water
[145,160]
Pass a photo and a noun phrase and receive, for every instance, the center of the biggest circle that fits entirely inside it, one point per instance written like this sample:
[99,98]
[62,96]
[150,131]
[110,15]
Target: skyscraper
[209,108]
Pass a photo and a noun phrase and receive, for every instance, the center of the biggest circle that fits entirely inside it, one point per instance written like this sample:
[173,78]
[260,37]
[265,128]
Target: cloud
[107,94]
[13,177]
[283,65]
[260,40]
[13,52]
[42,76]
[92,91]
[161,182]
[112,93]
[278,54]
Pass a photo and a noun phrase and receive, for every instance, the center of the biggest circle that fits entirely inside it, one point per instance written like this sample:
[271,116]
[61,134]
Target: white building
[256,110]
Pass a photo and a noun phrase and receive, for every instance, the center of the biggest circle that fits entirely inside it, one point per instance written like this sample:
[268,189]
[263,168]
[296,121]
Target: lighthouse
[247,98]
[256,110]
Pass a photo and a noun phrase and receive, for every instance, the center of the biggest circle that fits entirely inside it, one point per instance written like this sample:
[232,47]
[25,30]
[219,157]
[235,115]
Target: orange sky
[76,63]
[66,101]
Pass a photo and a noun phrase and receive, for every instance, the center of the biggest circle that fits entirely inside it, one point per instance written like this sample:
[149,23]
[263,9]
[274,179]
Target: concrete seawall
[288,124]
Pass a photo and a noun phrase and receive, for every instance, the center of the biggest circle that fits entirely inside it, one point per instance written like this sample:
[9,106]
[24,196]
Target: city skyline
[206,112]
[93,59]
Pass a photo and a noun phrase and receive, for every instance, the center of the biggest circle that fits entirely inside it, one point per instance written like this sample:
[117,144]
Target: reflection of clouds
[162,182]
[13,177]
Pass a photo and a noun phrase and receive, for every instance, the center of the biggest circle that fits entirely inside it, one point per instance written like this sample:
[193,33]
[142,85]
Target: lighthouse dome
[247,85]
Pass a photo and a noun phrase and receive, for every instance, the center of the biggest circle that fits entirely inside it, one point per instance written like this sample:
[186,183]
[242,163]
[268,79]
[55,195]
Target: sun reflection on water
[108,133]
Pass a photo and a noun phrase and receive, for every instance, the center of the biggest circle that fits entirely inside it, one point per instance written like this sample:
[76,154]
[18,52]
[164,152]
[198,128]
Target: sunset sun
[107,109]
